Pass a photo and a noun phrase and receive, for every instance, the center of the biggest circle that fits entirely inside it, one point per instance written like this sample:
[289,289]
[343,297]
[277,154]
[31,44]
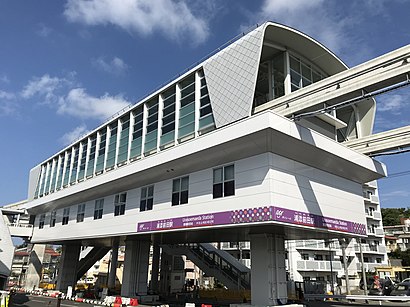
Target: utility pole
[343,244]
[362,265]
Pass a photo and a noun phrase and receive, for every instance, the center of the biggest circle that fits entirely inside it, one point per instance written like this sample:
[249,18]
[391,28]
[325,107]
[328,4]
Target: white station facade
[203,160]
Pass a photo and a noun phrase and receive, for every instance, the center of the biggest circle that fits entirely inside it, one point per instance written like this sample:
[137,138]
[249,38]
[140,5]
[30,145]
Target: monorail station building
[211,157]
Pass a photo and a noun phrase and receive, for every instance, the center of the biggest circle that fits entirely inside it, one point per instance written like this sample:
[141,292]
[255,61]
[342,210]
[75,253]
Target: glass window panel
[229,172]
[217,190]
[184,197]
[306,72]
[218,175]
[295,64]
[184,183]
[229,188]
[175,199]
[175,185]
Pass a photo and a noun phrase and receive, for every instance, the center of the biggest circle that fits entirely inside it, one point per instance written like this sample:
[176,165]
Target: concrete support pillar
[35,266]
[67,272]
[166,268]
[268,282]
[113,266]
[136,262]
[155,268]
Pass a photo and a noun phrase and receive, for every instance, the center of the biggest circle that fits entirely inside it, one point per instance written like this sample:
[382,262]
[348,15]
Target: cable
[399,174]
[390,153]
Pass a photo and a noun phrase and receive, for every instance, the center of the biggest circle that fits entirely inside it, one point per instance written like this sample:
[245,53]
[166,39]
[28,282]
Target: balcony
[366,248]
[375,231]
[373,199]
[312,265]
[316,245]
[372,184]
[369,267]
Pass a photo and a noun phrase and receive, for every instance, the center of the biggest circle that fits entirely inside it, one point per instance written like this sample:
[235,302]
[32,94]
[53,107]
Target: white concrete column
[268,283]
[136,262]
[155,267]
[113,266]
[35,266]
[67,272]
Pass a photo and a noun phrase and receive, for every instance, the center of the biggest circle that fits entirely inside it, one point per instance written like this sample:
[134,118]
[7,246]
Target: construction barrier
[4,299]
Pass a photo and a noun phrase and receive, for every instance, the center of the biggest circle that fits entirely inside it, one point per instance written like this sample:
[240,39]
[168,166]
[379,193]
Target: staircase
[214,262]
[92,255]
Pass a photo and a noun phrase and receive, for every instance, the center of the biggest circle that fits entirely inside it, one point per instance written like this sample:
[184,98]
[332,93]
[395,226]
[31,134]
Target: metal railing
[20,225]
[380,299]
[318,265]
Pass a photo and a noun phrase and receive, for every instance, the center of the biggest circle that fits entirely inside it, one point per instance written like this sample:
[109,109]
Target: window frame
[119,204]
[80,213]
[180,191]
[98,209]
[223,186]
[147,198]
[66,216]
[41,222]
[53,218]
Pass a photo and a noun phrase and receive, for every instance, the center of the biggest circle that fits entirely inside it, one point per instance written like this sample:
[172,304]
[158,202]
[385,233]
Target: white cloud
[7,103]
[45,87]
[313,17]
[43,30]
[64,95]
[116,66]
[82,105]
[73,135]
[392,103]
[6,95]
[174,19]
[4,78]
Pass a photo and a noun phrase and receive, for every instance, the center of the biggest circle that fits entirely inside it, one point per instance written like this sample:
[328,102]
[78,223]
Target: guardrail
[380,299]
[20,225]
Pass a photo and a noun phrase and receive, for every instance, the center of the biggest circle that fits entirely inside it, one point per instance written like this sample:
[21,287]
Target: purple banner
[254,215]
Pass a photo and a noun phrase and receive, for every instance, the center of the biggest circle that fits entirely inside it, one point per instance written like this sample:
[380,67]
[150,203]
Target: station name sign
[254,215]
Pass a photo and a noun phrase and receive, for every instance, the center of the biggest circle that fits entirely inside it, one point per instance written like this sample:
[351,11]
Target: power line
[398,174]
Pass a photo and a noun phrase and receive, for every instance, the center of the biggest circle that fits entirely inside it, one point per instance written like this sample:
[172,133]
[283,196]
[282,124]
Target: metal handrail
[20,225]
[356,297]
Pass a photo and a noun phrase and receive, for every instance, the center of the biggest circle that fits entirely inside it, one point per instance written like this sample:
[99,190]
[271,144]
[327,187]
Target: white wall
[262,180]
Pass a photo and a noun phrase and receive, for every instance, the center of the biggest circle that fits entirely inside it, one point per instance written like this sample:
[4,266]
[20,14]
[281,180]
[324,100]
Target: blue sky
[65,66]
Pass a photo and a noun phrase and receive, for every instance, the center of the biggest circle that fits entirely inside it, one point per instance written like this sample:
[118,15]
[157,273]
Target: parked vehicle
[401,289]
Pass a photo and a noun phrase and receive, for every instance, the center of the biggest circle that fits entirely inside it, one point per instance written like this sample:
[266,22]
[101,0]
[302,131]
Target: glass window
[152,126]
[101,150]
[124,139]
[206,118]
[224,181]
[67,168]
[98,209]
[168,117]
[41,221]
[112,146]
[75,164]
[80,213]
[53,218]
[119,204]
[91,157]
[66,216]
[147,198]
[83,160]
[180,191]
[305,256]
[54,175]
[136,143]
[187,107]
[302,74]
